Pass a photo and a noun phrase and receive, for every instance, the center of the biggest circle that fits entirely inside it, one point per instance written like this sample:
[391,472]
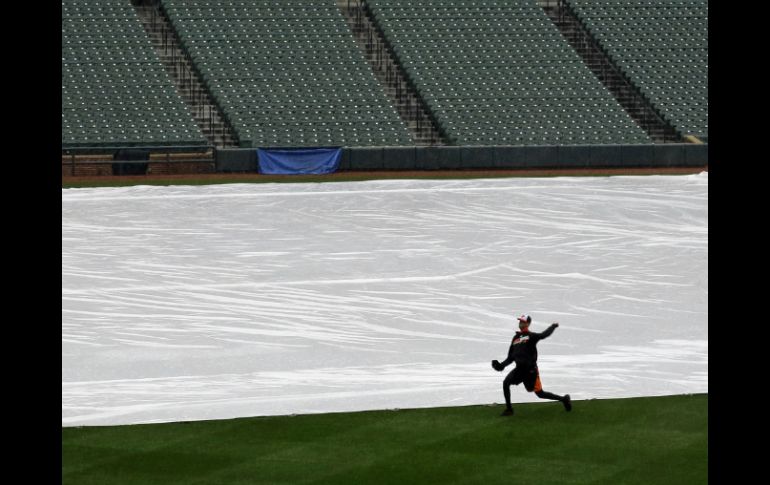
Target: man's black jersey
[523,349]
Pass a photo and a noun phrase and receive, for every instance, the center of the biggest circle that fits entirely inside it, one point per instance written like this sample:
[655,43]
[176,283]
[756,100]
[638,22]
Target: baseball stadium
[384,241]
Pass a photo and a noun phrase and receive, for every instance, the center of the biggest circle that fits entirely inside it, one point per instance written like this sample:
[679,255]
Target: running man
[523,351]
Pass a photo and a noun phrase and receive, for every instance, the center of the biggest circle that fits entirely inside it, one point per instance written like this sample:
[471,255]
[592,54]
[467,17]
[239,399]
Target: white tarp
[189,303]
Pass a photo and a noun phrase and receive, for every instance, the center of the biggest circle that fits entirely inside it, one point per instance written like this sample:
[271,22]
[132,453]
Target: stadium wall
[493,157]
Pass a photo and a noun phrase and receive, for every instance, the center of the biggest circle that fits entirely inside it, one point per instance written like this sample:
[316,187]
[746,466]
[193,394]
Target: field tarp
[212,302]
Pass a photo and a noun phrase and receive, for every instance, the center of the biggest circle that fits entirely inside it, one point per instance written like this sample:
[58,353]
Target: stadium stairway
[207,115]
[611,77]
[403,96]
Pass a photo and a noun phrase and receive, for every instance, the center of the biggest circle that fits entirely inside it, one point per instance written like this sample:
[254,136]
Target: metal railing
[183,71]
[597,60]
[384,62]
[142,154]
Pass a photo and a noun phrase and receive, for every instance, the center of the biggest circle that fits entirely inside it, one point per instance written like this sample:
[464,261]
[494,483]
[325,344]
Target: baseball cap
[525,318]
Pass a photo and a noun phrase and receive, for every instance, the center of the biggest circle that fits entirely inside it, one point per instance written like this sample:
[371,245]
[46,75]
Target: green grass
[660,440]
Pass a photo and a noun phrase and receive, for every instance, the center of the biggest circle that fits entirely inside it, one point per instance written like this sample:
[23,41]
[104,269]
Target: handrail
[153,148]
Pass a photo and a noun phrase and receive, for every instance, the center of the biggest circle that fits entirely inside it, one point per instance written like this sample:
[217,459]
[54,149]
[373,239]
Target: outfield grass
[660,440]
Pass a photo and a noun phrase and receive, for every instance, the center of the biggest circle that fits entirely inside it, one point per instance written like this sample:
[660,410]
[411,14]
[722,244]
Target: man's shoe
[567,402]
[507,412]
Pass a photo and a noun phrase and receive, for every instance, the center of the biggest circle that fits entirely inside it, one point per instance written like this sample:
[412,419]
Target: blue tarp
[298,161]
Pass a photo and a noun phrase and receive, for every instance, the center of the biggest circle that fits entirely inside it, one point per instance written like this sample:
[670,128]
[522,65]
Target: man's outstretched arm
[548,331]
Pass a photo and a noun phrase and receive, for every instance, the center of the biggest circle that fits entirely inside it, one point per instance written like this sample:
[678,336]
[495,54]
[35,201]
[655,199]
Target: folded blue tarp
[298,161]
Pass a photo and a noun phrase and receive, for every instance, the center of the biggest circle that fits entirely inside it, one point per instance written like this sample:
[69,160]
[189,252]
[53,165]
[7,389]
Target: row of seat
[276,34]
[650,26]
[131,108]
[407,25]
[650,3]
[127,119]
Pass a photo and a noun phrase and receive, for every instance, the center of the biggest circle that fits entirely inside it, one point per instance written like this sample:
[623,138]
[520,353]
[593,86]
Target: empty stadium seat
[115,91]
[287,73]
[499,72]
[662,47]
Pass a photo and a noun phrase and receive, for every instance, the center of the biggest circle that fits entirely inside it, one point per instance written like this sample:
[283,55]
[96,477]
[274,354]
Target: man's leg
[507,393]
[539,392]
[548,395]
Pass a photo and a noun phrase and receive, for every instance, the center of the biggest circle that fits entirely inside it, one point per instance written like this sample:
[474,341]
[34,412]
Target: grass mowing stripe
[661,440]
